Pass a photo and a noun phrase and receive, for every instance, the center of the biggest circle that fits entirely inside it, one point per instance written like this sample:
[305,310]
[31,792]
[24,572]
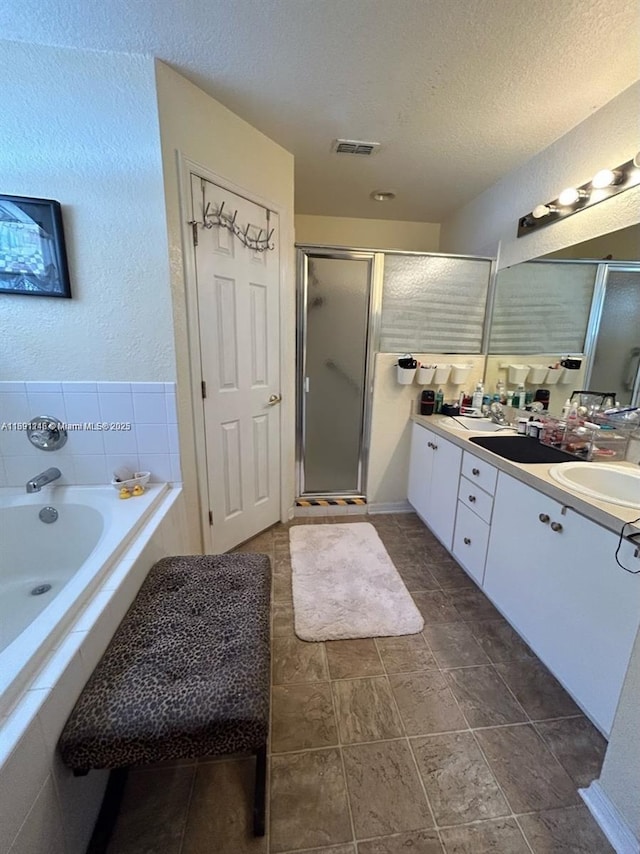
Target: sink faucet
[496,414]
[36,483]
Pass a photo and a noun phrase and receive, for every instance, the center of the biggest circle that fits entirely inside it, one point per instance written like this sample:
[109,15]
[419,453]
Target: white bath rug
[345,585]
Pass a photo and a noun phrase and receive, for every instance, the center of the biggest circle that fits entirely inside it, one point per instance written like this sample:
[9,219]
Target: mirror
[583,302]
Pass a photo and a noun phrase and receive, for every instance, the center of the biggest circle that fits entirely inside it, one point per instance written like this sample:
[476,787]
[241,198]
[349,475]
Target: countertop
[536,475]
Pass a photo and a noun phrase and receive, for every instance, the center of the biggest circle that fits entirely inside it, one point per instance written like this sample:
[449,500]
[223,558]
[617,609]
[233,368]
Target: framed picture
[33,258]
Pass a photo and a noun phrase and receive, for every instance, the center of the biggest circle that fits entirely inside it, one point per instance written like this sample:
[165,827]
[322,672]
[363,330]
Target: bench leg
[260,792]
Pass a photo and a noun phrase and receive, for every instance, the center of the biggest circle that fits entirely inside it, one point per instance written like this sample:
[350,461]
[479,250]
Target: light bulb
[636,160]
[605,178]
[570,196]
[541,211]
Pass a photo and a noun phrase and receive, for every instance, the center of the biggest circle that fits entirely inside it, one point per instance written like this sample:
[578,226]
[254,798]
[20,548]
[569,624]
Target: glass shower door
[616,363]
[334,316]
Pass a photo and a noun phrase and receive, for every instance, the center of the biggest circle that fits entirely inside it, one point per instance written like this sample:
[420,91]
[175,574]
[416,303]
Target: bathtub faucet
[36,483]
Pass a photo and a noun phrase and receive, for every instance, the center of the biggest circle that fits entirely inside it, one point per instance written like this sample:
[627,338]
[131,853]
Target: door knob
[467,541]
[472,499]
[475,472]
[544,518]
[275,398]
[556,526]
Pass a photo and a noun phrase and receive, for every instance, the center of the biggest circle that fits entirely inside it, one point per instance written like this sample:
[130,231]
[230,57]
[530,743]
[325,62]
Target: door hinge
[211,517]
[194,231]
[203,387]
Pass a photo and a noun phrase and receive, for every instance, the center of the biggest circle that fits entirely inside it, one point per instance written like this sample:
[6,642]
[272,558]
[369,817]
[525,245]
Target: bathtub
[49,571]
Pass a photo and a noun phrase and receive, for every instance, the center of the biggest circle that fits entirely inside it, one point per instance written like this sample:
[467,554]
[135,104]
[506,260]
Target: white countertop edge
[536,475]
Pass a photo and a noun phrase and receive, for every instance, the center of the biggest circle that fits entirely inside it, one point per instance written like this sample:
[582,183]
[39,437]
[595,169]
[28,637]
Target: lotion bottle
[476,400]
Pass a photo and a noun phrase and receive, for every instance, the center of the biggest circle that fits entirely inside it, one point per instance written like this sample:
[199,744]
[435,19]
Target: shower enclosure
[353,305]
[335,299]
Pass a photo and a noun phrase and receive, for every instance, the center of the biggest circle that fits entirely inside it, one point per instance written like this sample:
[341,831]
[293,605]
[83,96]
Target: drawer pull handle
[435,447]
[475,472]
[556,526]
[472,499]
[544,518]
[467,541]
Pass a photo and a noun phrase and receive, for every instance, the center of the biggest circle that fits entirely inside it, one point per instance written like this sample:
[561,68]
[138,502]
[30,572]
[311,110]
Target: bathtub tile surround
[42,806]
[90,456]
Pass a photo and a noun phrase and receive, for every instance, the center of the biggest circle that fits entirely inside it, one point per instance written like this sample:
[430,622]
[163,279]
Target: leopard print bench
[186,674]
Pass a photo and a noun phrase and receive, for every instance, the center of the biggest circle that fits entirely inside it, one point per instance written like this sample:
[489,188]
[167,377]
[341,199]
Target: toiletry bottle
[520,392]
[476,400]
[566,408]
[439,400]
[510,398]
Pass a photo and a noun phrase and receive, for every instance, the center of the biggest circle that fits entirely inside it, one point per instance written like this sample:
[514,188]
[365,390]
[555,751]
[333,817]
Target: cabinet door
[443,497]
[420,464]
[470,542]
[564,593]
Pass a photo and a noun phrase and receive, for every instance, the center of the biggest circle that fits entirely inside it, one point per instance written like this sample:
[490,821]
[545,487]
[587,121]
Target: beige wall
[368,233]
[205,132]
[606,139]
[390,426]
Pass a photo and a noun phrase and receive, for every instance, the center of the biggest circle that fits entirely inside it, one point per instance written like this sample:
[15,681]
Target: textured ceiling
[459,92]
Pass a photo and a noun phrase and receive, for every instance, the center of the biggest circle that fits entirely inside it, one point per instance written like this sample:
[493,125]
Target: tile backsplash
[121,424]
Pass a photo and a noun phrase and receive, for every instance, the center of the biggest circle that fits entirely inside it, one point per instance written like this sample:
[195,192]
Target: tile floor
[453,741]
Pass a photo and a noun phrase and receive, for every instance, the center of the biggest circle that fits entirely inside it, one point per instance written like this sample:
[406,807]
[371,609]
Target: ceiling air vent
[354,146]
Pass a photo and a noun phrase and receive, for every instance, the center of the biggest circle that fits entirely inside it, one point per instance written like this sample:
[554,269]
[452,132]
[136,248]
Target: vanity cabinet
[554,575]
[434,471]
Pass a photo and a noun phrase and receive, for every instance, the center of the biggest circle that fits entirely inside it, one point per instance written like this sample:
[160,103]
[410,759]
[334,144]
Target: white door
[238,315]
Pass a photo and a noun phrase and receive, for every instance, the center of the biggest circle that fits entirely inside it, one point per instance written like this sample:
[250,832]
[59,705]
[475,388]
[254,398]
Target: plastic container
[425,374]
[460,373]
[140,478]
[537,374]
[554,376]
[427,402]
[518,373]
[406,369]
[442,374]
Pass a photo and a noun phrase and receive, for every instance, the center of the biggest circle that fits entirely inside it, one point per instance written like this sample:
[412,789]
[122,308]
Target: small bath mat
[345,585]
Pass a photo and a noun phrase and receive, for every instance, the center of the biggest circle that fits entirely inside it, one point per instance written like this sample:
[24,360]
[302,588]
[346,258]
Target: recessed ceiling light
[382,196]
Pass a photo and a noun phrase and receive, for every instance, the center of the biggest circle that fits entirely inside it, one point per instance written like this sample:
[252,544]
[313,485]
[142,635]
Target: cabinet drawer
[479,472]
[470,542]
[476,499]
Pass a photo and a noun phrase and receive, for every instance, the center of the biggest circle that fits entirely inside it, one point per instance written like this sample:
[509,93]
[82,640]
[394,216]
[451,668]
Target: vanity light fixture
[383,196]
[604,184]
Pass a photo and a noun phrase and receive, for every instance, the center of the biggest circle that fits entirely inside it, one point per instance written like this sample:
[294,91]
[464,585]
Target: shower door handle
[306,384]
[275,398]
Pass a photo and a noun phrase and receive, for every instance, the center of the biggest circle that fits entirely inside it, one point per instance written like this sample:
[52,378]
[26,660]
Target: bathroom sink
[474,425]
[616,484]
[522,449]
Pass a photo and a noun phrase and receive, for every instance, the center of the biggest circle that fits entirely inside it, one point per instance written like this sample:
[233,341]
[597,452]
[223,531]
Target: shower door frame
[597,309]
[374,311]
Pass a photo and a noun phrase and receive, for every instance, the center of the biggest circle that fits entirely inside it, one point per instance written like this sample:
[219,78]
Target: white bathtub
[70,556]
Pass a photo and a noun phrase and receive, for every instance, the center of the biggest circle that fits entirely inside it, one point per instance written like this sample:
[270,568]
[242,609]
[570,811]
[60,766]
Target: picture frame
[33,256]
